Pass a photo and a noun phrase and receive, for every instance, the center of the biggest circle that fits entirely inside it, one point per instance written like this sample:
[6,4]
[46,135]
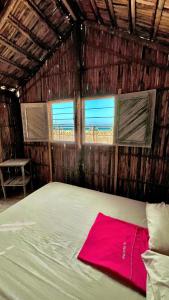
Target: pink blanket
[116,246]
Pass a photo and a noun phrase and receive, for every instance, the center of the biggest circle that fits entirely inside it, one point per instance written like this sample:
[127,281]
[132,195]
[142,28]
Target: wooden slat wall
[111,65]
[65,163]
[11,145]
[55,80]
[39,154]
[98,164]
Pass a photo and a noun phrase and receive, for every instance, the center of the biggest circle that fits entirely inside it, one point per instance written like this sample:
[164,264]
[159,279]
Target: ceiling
[30,30]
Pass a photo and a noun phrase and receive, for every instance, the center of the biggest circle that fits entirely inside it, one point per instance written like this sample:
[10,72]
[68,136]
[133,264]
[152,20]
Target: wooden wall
[106,64]
[11,140]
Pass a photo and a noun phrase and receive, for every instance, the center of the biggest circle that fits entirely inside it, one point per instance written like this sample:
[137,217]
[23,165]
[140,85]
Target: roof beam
[68,8]
[64,10]
[133,14]
[126,60]
[130,17]
[7,75]
[6,11]
[96,11]
[15,64]
[111,12]
[131,37]
[49,54]
[27,33]
[43,17]
[74,10]
[18,49]
[158,14]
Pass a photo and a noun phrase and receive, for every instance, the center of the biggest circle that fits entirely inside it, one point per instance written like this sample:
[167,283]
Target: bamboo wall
[107,64]
[11,140]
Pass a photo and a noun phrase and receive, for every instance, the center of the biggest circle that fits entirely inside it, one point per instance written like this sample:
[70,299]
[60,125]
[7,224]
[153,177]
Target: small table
[15,180]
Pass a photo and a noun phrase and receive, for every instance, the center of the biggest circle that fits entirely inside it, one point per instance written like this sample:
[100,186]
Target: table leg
[2,184]
[31,175]
[23,177]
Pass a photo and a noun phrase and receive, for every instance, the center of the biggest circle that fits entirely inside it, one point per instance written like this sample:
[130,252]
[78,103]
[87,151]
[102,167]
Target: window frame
[79,128]
[32,105]
[49,110]
[83,119]
[152,94]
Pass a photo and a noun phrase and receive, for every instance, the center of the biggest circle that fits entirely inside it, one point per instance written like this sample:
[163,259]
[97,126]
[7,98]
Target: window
[124,120]
[135,118]
[61,115]
[35,122]
[99,120]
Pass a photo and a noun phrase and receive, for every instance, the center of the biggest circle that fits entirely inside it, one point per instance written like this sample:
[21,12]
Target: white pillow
[157,266]
[158,227]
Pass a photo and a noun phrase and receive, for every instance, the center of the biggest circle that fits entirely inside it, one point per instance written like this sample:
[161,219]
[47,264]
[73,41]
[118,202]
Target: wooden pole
[116,156]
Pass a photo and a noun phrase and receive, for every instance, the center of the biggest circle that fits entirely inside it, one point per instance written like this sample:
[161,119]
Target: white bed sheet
[41,236]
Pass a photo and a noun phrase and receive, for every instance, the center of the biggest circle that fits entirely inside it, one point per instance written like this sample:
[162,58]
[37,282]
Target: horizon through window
[62,121]
[99,117]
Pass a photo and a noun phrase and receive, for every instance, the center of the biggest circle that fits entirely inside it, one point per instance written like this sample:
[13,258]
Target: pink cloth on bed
[116,246]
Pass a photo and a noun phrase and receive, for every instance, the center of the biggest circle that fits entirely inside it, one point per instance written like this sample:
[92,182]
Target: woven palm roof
[30,30]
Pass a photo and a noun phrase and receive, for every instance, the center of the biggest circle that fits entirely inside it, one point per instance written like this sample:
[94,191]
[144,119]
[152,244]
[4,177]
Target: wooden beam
[7,75]
[27,33]
[110,8]
[96,11]
[15,64]
[6,11]
[31,4]
[133,14]
[158,14]
[48,55]
[130,25]
[78,42]
[69,9]
[65,12]
[18,49]
[131,37]
[75,7]
[125,60]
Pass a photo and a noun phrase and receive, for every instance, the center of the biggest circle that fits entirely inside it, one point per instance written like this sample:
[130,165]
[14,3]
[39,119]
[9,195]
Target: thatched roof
[30,30]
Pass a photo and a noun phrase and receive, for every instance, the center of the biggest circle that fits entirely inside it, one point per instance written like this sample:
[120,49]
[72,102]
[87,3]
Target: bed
[41,236]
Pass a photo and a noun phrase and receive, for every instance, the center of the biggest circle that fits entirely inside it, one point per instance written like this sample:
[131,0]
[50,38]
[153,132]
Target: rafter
[158,14]
[15,64]
[7,75]
[133,14]
[110,8]
[68,8]
[18,49]
[27,33]
[64,10]
[73,9]
[96,11]
[54,48]
[8,8]
[31,4]
[130,25]
[130,37]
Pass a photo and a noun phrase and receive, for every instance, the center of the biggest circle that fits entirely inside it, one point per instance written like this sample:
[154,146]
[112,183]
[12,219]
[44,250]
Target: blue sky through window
[63,114]
[100,113]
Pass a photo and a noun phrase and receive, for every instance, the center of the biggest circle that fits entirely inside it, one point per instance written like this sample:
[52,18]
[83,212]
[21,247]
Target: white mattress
[41,236]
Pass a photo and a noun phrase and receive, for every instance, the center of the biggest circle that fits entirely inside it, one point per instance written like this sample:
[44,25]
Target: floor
[12,198]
